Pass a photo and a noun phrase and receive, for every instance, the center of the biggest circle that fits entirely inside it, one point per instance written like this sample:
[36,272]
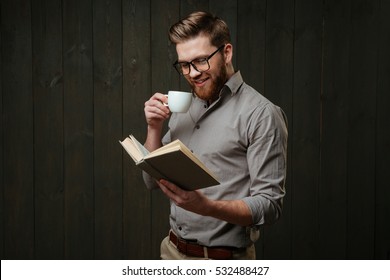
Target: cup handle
[165,104]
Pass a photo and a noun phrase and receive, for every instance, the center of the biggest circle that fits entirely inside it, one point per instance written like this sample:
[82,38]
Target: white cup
[178,101]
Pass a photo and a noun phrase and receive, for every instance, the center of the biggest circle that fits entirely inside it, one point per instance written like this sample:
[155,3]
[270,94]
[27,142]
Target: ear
[228,53]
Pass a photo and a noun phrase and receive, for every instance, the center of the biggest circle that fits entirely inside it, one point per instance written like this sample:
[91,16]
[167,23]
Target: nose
[194,72]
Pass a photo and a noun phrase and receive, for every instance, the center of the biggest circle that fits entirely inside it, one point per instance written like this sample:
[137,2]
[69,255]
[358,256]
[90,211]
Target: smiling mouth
[200,82]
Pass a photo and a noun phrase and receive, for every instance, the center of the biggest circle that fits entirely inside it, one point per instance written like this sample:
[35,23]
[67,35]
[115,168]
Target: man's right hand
[156,113]
[155,110]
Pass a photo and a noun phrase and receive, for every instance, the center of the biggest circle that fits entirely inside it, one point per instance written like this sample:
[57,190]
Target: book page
[140,147]
[171,147]
[131,149]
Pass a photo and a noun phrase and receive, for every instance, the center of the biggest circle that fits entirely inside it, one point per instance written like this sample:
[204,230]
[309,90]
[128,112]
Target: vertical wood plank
[137,214]
[334,130]
[164,78]
[189,6]
[48,129]
[278,87]
[163,51]
[107,57]
[361,145]
[17,122]
[306,120]
[78,129]
[2,255]
[382,152]
[251,43]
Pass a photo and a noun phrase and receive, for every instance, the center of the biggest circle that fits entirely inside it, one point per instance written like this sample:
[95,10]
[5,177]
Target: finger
[169,193]
[173,188]
[158,98]
[156,106]
[155,113]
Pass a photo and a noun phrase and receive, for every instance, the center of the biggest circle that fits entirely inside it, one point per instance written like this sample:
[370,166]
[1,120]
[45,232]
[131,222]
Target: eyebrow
[197,57]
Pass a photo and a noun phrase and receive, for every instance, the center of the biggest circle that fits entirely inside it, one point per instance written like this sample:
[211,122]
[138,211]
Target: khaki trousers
[169,252]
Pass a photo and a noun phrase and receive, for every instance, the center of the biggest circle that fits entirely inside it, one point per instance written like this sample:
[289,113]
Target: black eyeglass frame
[177,64]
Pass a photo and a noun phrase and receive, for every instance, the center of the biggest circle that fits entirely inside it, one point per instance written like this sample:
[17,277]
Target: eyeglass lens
[200,64]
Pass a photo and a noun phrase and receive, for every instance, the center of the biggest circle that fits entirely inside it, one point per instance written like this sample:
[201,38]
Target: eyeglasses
[199,64]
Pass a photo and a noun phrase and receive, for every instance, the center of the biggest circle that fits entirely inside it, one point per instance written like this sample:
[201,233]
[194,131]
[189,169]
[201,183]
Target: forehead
[196,47]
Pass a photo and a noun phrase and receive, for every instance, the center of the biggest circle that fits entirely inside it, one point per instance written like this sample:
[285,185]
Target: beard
[211,92]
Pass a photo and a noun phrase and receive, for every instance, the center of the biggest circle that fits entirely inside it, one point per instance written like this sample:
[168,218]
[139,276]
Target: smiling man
[239,134]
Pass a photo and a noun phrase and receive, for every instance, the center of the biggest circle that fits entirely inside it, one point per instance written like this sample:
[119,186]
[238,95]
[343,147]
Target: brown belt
[199,251]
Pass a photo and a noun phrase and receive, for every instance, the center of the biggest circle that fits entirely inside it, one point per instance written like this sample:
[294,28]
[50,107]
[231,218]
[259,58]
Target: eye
[184,65]
[200,61]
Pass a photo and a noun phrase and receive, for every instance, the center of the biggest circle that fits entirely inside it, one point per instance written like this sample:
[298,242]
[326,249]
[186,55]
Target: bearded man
[238,133]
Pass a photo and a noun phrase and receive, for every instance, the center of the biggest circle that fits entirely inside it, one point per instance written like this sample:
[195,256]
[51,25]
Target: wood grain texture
[78,130]
[18,131]
[48,94]
[74,79]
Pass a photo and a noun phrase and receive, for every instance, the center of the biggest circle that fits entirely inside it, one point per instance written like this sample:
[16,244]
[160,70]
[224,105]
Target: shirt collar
[234,83]
[231,86]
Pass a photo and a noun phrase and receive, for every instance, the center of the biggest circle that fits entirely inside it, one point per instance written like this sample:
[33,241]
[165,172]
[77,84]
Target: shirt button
[179,228]
[197,126]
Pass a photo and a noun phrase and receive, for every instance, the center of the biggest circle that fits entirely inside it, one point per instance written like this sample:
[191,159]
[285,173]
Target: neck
[229,71]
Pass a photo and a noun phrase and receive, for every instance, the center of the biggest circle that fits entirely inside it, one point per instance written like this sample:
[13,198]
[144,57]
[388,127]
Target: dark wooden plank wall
[74,78]
[48,129]
[18,219]
[333,128]
[382,135]
[137,203]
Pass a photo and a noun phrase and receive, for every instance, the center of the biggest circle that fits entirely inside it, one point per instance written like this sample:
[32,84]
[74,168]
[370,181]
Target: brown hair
[198,23]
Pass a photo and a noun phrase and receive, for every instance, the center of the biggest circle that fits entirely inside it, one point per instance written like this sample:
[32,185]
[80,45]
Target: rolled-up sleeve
[267,161]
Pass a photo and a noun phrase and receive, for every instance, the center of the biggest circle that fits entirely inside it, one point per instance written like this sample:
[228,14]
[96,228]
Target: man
[239,134]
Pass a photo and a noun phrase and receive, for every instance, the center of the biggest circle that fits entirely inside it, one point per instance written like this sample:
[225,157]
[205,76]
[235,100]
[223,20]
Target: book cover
[173,162]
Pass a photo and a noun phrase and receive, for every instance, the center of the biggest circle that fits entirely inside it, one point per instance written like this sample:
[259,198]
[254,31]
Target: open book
[173,162]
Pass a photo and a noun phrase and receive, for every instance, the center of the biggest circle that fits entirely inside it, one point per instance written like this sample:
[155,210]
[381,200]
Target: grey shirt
[242,138]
